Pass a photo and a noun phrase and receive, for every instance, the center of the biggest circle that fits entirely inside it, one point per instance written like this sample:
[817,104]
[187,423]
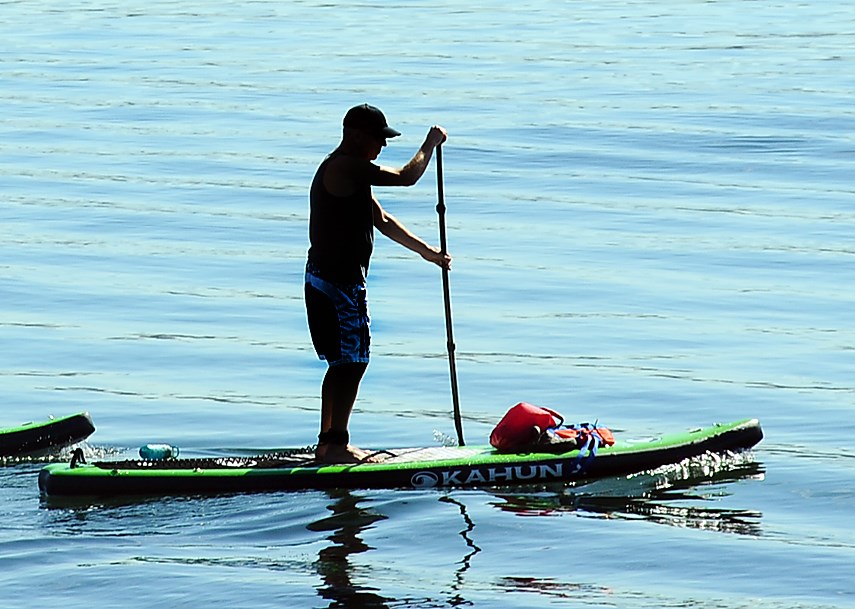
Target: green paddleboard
[433,467]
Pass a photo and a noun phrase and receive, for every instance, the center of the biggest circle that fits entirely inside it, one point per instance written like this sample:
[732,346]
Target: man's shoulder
[345,173]
[350,165]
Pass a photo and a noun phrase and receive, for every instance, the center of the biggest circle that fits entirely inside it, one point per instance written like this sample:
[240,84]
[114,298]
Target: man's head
[369,120]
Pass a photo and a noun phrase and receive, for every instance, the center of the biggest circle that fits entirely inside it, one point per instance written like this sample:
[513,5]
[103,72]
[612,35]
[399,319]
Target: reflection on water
[550,587]
[345,524]
[465,564]
[680,495]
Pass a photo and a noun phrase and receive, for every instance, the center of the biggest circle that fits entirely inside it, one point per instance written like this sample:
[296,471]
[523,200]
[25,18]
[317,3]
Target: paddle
[446,291]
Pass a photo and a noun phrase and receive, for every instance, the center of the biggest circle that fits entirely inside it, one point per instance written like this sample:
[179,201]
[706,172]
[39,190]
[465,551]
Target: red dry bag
[522,425]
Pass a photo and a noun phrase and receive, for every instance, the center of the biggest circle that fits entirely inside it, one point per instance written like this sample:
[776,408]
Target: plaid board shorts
[338,320]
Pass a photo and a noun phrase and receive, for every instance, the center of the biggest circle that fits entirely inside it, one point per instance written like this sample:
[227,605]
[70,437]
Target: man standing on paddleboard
[343,216]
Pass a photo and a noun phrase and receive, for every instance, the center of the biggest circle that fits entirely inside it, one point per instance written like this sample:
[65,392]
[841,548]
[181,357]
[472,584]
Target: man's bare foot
[341,453]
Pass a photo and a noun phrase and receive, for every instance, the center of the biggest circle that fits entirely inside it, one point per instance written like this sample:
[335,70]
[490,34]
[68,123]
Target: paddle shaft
[446,291]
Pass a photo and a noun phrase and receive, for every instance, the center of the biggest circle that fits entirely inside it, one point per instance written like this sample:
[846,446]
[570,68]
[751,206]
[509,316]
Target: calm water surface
[651,213]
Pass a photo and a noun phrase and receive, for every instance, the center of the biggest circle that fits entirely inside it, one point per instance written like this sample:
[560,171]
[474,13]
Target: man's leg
[338,395]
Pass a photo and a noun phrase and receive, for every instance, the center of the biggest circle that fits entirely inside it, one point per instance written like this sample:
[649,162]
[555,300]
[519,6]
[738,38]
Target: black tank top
[341,229]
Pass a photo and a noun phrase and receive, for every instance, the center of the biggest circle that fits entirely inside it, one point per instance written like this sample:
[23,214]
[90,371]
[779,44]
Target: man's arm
[410,173]
[387,224]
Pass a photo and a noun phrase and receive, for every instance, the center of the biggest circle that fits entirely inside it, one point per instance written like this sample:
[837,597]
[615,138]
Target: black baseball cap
[369,119]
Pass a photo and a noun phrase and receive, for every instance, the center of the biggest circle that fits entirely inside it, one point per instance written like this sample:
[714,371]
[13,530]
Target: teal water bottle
[158,452]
